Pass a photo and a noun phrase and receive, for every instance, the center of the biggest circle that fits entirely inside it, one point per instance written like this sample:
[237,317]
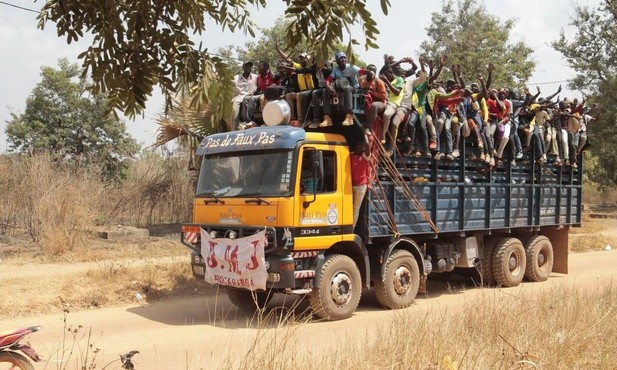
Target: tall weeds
[573,329]
[58,203]
[55,201]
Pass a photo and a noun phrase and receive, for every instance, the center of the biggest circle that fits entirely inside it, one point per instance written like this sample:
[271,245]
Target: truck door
[320,199]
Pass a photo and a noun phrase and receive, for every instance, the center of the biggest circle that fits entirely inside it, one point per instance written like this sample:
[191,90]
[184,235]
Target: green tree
[592,53]
[473,38]
[140,44]
[62,118]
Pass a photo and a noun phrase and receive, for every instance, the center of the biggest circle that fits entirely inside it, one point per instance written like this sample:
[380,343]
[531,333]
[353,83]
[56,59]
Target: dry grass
[595,235]
[57,204]
[521,331]
[53,201]
[157,190]
[108,284]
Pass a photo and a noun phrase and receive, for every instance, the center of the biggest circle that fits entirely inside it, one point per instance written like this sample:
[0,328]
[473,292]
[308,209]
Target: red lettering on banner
[231,257]
[212,258]
[254,263]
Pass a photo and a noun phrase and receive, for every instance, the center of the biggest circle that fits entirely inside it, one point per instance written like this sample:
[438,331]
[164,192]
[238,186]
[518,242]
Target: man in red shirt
[360,170]
[265,78]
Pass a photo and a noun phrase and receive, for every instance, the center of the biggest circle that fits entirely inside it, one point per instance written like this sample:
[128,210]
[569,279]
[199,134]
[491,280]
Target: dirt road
[200,333]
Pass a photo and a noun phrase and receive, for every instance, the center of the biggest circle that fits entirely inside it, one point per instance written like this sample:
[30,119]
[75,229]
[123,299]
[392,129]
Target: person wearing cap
[344,78]
[245,84]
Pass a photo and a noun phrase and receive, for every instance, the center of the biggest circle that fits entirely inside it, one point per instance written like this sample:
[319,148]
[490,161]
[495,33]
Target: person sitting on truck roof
[289,81]
[265,78]
[392,117]
[320,97]
[502,134]
[438,101]
[306,81]
[344,78]
[420,88]
[376,95]
[245,84]
[360,174]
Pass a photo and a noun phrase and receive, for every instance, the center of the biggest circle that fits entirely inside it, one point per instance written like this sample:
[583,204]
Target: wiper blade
[214,200]
[257,200]
[210,194]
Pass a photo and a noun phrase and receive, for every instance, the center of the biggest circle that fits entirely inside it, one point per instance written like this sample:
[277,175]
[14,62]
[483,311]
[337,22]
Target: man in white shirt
[244,84]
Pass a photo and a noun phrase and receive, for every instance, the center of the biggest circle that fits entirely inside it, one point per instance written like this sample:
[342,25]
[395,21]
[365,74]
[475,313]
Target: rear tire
[509,262]
[399,285]
[337,295]
[539,251]
[486,264]
[247,300]
[18,360]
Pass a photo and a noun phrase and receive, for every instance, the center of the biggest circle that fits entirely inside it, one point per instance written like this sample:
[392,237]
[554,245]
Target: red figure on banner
[232,259]
[211,258]
[254,263]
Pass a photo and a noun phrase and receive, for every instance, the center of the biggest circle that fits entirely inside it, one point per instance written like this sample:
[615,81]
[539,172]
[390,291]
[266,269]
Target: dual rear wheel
[506,261]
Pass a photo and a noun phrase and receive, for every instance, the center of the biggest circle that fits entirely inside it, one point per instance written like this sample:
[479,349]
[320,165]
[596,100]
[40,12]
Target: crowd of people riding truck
[417,111]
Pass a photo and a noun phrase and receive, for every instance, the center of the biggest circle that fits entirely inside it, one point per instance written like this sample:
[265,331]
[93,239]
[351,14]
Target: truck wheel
[16,361]
[486,264]
[340,286]
[399,285]
[246,300]
[509,262]
[539,253]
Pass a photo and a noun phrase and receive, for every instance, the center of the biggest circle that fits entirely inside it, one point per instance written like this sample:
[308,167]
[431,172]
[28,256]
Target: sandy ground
[206,333]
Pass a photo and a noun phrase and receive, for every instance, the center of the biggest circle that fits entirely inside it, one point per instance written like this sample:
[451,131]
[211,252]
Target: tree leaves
[60,117]
[473,38]
[138,44]
[592,53]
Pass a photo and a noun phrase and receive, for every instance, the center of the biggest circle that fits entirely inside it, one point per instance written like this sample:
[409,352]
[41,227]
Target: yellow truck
[273,213]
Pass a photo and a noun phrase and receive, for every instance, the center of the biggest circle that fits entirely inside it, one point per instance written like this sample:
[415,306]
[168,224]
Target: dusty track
[199,332]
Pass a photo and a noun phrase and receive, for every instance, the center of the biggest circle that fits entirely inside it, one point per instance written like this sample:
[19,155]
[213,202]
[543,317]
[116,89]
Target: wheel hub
[340,288]
[541,259]
[402,278]
[513,263]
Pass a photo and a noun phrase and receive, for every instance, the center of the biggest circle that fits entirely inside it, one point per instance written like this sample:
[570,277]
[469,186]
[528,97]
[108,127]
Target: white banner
[239,263]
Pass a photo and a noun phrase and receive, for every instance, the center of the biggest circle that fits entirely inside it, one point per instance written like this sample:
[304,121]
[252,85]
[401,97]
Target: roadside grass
[111,283]
[522,330]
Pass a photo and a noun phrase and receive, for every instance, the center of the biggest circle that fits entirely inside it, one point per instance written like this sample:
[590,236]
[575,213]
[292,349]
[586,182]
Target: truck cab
[294,185]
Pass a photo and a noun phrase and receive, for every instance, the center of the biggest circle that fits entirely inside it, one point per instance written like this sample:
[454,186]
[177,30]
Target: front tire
[247,300]
[540,258]
[399,285]
[337,295]
[509,262]
[17,360]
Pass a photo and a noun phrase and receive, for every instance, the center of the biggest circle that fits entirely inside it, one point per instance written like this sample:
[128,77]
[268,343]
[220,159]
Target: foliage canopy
[62,118]
[473,38]
[140,44]
[592,53]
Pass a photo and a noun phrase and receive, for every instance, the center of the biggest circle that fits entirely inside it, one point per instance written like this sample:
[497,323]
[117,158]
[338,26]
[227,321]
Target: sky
[25,48]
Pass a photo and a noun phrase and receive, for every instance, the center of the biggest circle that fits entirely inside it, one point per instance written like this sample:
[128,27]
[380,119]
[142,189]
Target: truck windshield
[246,174]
